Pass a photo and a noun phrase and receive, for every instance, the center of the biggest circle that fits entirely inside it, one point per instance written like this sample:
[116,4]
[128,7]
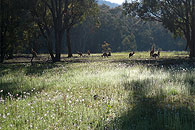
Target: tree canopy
[176,15]
[114,27]
[63,26]
[56,16]
[12,24]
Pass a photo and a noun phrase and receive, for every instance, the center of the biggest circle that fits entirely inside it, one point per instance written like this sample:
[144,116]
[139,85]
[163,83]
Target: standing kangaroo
[152,51]
[88,52]
[156,54]
[34,54]
[80,53]
[131,54]
[104,54]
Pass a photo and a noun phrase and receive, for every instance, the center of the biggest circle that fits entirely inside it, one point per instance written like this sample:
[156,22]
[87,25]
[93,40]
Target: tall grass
[97,93]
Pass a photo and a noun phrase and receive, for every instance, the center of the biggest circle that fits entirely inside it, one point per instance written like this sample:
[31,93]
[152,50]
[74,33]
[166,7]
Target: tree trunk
[191,45]
[49,45]
[2,49]
[10,52]
[58,37]
[56,42]
[52,56]
[192,53]
[192,42]
[58,47]
[50,50]
[68,42]
[2,54]
[3,32]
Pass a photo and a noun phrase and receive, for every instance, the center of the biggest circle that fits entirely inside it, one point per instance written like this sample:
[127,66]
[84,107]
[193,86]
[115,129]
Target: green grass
[99,93]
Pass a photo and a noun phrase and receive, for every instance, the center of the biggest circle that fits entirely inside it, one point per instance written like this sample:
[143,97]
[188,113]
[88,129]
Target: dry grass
[99,93]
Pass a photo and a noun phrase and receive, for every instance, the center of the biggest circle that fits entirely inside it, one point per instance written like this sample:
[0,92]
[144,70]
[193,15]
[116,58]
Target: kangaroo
[152,51]
[131,54]
[104,54]
[34,54]
[109,53]
[80,53]
[156,54]
[88,52]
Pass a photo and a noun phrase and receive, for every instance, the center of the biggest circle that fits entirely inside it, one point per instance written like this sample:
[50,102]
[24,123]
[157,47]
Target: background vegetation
[123,33]
[22,31]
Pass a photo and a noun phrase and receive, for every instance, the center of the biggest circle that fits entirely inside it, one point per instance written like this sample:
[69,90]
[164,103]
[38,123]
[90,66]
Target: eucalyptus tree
[4,21]
[178,16]
[13,22]
[77,11]
[57,17]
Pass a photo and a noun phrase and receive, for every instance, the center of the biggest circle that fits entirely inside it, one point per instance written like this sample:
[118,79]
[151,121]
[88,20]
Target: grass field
[92,92]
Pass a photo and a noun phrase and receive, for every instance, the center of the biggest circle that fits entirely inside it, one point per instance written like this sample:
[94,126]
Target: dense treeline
[25,25]
[177,16]
[48,21]
[123,33]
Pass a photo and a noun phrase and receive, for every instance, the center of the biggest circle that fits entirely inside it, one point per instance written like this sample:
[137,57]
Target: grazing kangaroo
[95,97]
[131,54]
[152,51]
[156,54]
[104,54]
[88,52]
[109,53]
[80,53]
[34,54]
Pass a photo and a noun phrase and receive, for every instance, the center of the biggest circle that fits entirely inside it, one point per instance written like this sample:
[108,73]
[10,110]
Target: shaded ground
[152,113]
[160,112]
[179,58]
[160,61]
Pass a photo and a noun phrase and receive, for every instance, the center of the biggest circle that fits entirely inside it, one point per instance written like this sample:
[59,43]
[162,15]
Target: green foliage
[129,43]
[14,22]
[106,47]
[91,27]
[177,16]
[114,27]
[57,16]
